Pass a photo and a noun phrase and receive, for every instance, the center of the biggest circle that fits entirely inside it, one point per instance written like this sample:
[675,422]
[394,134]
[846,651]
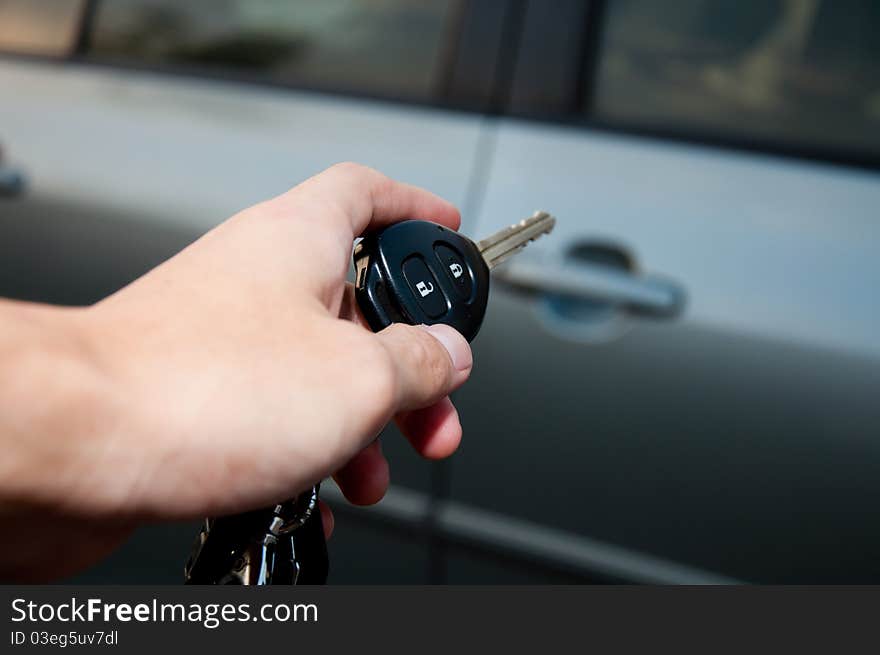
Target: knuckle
[428,359]
[348,168]
[381,384]
[371,180]
[420,355]
[368,369]
[381,185]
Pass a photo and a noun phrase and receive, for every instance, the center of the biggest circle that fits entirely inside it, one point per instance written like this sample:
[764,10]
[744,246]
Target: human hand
[238,373]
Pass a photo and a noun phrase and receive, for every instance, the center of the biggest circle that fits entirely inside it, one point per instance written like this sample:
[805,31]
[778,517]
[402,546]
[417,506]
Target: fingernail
[456,345]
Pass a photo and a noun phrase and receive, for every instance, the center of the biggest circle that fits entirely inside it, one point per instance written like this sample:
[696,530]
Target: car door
[725,152]
[140,125]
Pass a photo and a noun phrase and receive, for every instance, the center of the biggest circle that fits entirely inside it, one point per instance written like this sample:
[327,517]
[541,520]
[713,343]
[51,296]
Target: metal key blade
[509,241]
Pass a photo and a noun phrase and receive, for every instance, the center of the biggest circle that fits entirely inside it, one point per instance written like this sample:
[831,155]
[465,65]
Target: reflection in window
[385,47]
[805,72]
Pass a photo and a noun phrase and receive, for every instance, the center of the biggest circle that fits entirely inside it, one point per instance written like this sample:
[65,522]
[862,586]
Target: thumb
[427,362]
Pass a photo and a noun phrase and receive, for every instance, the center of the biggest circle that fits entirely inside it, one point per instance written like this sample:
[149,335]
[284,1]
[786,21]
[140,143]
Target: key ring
[283,544]
[293,513]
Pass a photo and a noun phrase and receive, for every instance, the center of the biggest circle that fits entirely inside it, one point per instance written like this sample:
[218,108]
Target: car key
[410,272]
[419,272]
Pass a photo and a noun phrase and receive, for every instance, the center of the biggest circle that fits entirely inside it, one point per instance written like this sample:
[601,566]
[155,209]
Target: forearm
[53,404]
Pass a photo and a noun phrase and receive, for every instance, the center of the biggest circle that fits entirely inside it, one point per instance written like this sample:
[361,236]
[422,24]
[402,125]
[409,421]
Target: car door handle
[12,182]
[627,290]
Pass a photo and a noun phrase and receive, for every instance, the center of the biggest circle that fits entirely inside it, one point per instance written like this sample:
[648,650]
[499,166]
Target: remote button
[424,287]
[456,269]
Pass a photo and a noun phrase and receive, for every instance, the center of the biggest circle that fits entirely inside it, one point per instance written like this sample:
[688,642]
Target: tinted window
[385,47]
[40,27]
[799,71]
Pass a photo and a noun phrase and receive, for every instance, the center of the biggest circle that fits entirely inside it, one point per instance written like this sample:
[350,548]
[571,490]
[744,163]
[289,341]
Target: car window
[805,72]
[383,47]
[46,27]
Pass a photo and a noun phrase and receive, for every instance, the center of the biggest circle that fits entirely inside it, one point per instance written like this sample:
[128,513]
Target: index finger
[369,200]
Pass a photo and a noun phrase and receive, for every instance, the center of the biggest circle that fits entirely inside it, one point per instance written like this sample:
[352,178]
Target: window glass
[385,47]
[39,27]
[805,72]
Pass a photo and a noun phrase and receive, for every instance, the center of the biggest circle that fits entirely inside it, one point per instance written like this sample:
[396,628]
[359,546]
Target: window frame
[579,111]
[456,55]
[506,25]
[466,83]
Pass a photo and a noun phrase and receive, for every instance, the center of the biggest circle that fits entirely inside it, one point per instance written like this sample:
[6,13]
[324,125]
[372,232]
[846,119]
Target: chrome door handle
[12,182]
[636,294]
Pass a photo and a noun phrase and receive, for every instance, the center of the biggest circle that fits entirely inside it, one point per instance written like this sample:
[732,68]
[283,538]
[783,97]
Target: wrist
[56,409]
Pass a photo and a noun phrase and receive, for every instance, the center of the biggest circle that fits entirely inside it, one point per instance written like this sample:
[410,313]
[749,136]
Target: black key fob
[419,272]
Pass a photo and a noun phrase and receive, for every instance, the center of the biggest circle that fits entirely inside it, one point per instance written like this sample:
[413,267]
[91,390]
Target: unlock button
[424,287]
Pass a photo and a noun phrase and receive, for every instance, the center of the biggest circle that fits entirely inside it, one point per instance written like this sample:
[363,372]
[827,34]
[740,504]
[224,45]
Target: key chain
[283,544]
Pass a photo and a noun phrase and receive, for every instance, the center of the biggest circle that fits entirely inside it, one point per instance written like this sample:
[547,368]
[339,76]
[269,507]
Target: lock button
[456,268]
[424,287]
